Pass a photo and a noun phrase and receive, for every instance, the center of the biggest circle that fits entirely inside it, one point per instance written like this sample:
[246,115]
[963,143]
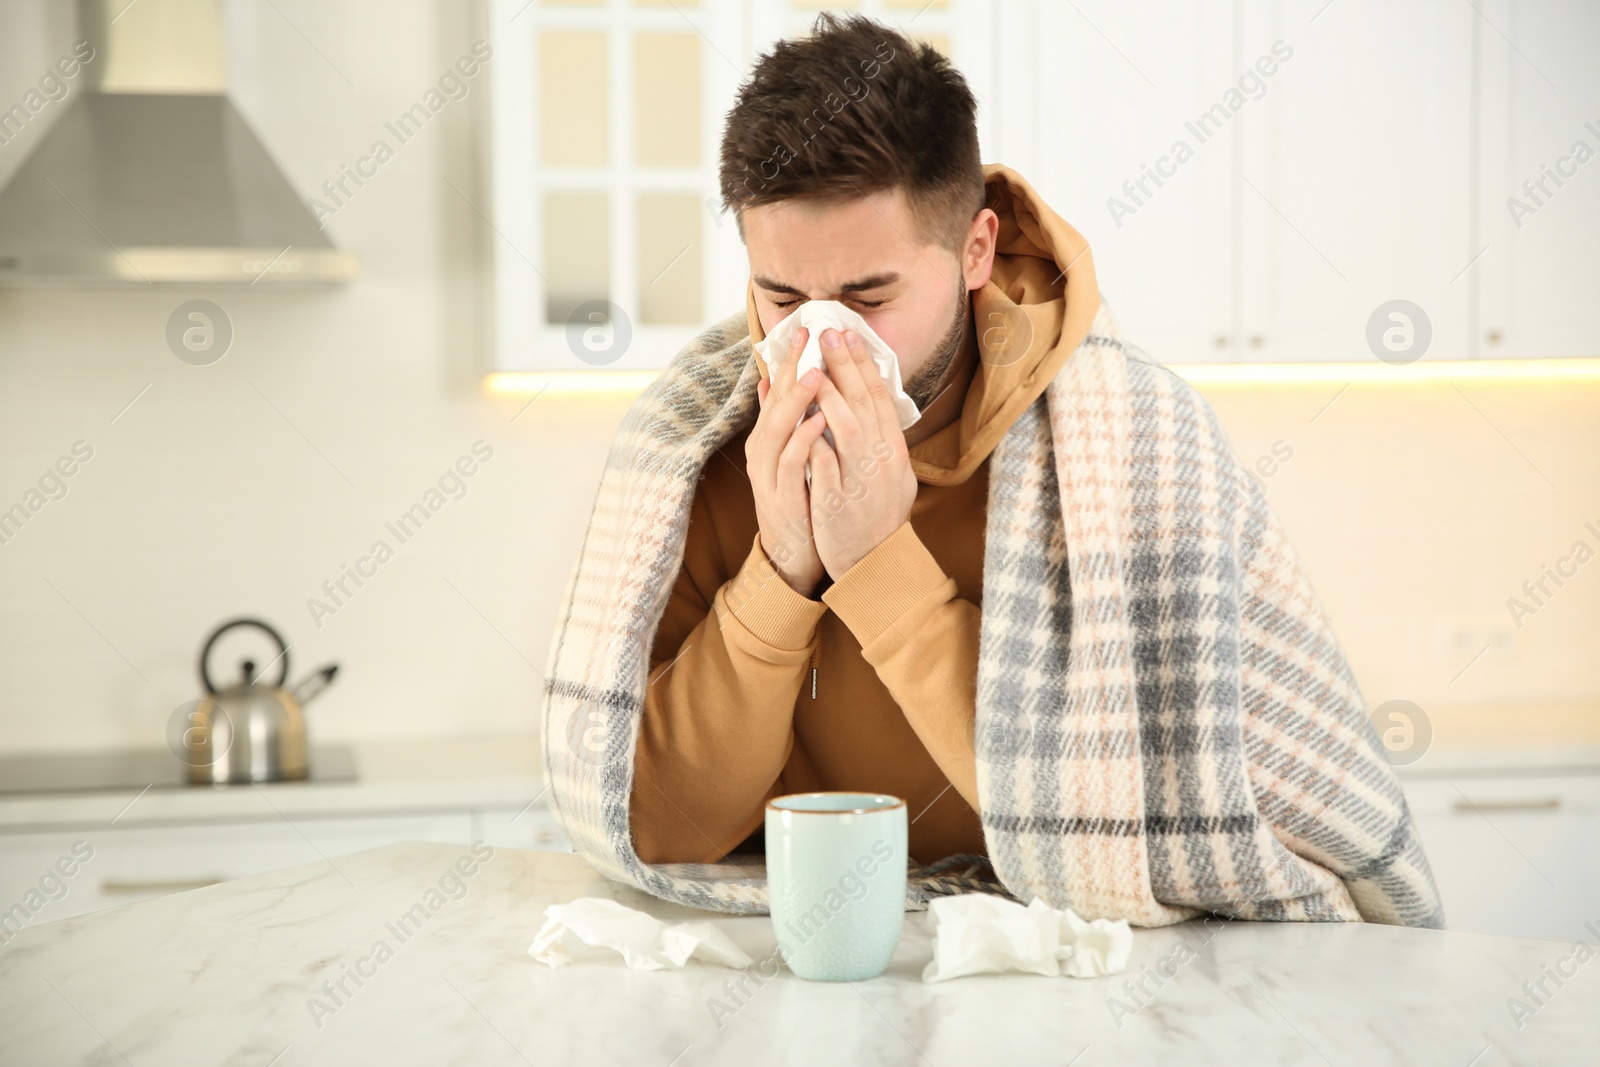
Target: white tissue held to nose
[816,316]
[645,942]
[980,933]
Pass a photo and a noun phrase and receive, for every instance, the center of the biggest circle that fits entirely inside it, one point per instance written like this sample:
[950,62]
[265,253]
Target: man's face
[867,253]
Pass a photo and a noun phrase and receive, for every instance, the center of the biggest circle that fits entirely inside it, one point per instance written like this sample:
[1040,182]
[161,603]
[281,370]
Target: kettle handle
[282,658]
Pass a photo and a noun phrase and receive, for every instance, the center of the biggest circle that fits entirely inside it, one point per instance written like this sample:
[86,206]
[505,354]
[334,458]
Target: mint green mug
[836,882]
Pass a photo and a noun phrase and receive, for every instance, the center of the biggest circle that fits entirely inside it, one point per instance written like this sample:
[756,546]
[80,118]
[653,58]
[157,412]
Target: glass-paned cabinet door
[611,249]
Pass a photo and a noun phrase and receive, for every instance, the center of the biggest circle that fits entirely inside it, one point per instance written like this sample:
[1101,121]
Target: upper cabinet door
[1353,182]
[1539,187]
[611,247]
[1128,145]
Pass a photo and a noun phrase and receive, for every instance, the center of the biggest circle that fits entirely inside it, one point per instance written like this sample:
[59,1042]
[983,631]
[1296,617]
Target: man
[1102,673]
[857,670]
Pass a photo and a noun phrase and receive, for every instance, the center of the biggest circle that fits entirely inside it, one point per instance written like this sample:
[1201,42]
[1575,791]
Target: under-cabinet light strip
[528,383]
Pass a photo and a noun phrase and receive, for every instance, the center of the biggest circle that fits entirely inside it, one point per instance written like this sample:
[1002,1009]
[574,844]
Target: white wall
[203,502]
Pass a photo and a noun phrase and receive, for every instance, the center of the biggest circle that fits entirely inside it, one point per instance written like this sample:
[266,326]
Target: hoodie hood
[1028,318]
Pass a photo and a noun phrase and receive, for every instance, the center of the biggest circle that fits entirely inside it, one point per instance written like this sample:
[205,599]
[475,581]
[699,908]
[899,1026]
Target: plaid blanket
[1165,723]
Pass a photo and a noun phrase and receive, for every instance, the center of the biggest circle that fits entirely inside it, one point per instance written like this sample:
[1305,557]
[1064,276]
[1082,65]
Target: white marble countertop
[235,973]
[424,774]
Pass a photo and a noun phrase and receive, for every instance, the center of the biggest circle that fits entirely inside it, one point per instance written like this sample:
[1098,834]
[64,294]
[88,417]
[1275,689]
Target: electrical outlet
[1465,636]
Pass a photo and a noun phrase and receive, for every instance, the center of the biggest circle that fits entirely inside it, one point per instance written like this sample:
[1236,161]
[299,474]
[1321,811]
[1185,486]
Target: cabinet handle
[1493,337]
[1256,341]
[1221,340]
[1468,807]
[114,885]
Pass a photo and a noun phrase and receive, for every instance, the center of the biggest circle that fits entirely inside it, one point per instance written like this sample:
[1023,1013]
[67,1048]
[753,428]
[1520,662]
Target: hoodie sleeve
[718,720]
[922,639]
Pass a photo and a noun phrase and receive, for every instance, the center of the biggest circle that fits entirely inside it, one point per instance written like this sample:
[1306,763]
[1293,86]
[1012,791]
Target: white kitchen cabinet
[1257,177]
[1255,183]
[521,827]
[1117,84]
[1383,167]
[1514,855]
[1353,177]
[1538,179]
[609,246]
[131,863]
[1368,159]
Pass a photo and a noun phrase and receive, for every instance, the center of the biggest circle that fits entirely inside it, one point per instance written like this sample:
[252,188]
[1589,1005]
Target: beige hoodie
[756,690]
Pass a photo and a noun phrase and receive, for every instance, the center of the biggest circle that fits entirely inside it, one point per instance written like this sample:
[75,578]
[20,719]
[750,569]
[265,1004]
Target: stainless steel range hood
[150,175]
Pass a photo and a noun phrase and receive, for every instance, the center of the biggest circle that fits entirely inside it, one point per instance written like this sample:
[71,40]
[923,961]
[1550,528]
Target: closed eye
[863,303]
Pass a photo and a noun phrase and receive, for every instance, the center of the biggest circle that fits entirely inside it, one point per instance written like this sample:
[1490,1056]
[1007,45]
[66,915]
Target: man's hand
[863,487]
[775,459]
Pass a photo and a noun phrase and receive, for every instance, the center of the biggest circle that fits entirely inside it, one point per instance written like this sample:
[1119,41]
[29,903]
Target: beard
[930,377]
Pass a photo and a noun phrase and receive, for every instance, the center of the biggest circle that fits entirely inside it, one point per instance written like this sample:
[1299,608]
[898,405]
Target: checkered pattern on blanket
[1165,723]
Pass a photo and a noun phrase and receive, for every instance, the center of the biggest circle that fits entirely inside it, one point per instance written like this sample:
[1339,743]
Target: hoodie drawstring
[816,658]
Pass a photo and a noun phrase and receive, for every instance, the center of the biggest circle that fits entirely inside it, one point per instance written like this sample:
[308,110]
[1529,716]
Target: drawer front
[1517,856]
[44,877]
[532,828]
[1508,795]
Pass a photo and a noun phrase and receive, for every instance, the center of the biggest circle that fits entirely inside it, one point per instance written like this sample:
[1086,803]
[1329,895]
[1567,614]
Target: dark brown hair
[852,109]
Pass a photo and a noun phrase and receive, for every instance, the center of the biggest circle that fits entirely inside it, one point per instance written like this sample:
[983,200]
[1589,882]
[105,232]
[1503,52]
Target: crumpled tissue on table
[979,933]
[816,316]
[974,933]
[646,943]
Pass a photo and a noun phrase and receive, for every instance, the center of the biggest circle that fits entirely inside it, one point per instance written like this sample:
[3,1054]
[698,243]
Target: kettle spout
[312,686]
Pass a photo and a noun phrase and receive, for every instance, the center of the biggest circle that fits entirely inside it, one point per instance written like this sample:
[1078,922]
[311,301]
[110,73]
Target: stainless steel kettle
[250,731]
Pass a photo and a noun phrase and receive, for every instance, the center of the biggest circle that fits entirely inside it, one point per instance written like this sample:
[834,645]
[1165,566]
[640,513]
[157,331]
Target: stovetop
[136,768]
